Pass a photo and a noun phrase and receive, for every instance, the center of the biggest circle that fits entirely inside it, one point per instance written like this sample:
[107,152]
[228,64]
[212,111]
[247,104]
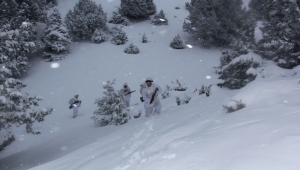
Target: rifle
[76,103]
[129,92]
[152,98]
[72,105]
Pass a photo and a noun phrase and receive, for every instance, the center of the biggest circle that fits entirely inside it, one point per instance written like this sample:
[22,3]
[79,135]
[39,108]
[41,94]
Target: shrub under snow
[132,49]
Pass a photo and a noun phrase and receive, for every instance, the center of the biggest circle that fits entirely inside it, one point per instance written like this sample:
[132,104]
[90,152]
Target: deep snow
[199,135]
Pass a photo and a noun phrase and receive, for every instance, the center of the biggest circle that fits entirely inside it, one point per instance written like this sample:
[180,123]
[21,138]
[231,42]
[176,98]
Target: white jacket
[125,91]
[148,92]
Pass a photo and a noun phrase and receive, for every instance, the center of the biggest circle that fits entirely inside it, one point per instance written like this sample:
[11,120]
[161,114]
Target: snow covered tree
[56,36]
[119,36]
[119,19]
[54,2]
[99,36]
[111,109]
[137,8]
[160,19]
[132,49]
[16,108]
[144,39]
[84,19]
[240,70]
[281,33]
[202,23]
[177,43]
[14,45]
[216,23]
[257,7]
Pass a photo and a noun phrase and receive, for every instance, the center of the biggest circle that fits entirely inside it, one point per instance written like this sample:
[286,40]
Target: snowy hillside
[265,135]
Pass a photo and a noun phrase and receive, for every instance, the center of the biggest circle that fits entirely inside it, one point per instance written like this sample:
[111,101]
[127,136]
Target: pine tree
[177,43]
[56,37]
[14,46]
[119,19]
[137,8]
[85,18]
[160,19]
[17,108]
[257,7]
[99,36]
[144,39]
[119,36]
[111,109]
[202,23]
[281,33]
[14,12]
[132,49]
[216,23]
[238,70]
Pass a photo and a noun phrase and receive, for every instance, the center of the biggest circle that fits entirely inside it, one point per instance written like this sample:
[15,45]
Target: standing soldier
[150,96]
[125,91]
[75,104]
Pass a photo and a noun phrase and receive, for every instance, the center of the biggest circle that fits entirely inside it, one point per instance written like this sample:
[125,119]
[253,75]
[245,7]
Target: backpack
[71,101]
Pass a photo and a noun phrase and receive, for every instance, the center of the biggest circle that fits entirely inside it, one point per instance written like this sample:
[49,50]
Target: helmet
[125,84]
[76,95]
[149,79]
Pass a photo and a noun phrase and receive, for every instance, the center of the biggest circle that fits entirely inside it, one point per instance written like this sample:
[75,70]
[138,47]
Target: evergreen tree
[85,18]
[111,109]
[14,12]
[202,23]
[14,45]
[132,49]
[281,33]
[119,19]
[218,22]
[177,43]
[238,69]
[160,19]
[257,7]
[16,108]
[144,39]
[54,2]
[99,36]
[119,36]
[137,8]
[56,36]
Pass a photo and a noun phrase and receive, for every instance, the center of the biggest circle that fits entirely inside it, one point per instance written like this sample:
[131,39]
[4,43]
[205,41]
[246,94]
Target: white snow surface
[200,135]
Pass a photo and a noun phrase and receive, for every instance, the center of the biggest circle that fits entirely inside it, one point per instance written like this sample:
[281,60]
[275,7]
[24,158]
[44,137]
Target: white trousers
[75,111]
[153,108]
[126,100]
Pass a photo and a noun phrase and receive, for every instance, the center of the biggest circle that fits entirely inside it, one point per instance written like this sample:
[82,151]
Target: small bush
[179,88]
[119,36]
[236,106]
[99,36]
[160,19]
[132,49]
[177,43]
[53,57]
[144,39]
[185,100]
[119,19]
[204,90]
[166,93]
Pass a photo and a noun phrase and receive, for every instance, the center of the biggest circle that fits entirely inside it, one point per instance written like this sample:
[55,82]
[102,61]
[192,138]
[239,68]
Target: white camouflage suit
[155,106]
[75,102]
[126,94]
